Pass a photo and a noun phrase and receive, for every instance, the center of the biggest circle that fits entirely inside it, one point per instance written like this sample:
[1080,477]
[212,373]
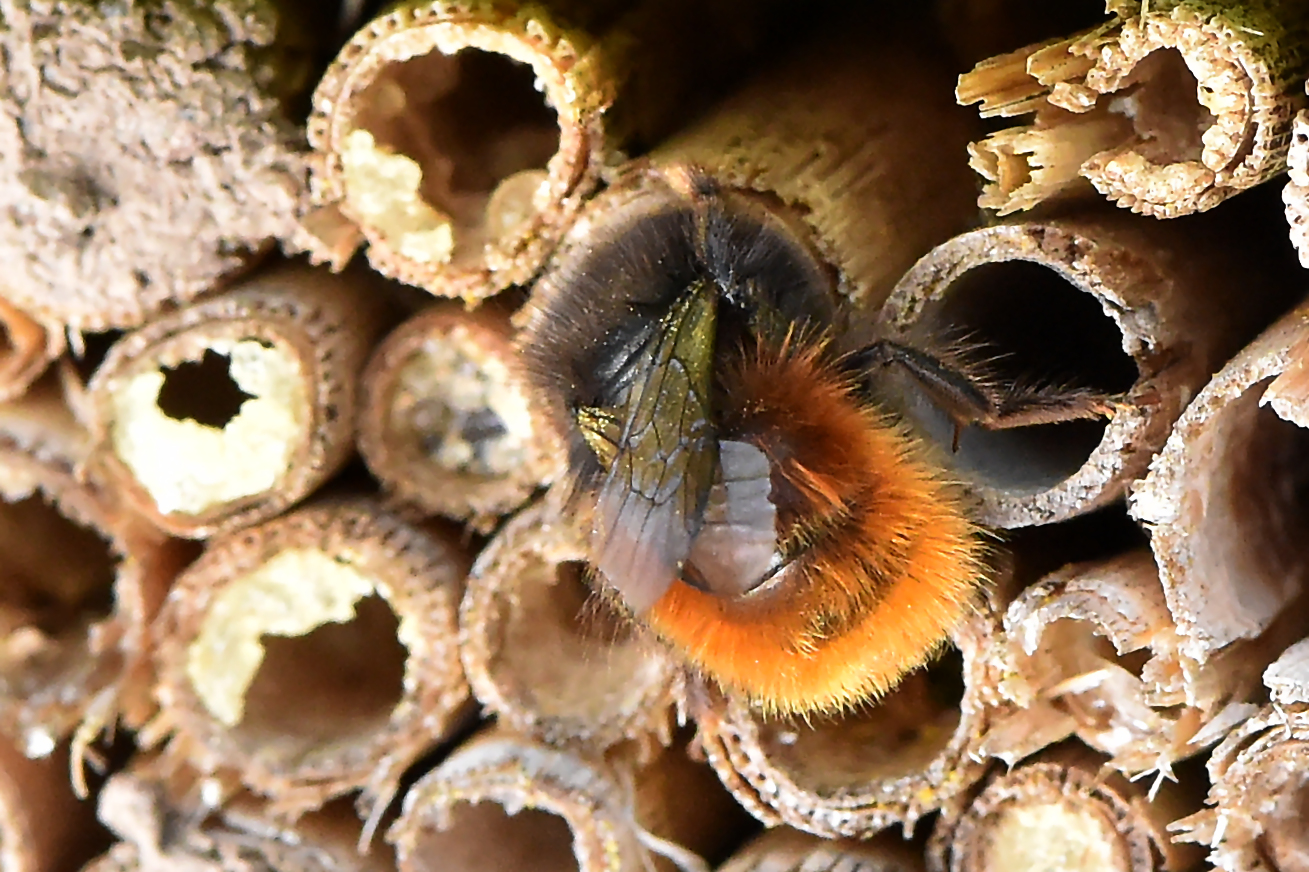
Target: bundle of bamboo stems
[301,569]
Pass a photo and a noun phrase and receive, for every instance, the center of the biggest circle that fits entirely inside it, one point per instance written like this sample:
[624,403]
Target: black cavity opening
[483,837]
[470,120]
[1161,97]
[327,689]
[202,391]
[1248,544]
[1034,327]
[895,737]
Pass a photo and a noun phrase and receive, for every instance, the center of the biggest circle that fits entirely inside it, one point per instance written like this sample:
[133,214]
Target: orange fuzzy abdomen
[885,565]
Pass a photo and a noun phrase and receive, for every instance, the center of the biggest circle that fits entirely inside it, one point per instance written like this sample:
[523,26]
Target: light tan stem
[448,424]
[82,577]
[1295,195]
[1138,310]
[1221,501]
[1061,811]
[143,156]
[503,801]
[551,658]
[314,654]
[229,411]
[1168,108]
[459,138]
[890,761]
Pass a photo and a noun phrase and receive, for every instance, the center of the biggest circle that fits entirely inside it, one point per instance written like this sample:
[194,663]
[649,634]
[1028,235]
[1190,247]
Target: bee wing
[737,545]
[650,504]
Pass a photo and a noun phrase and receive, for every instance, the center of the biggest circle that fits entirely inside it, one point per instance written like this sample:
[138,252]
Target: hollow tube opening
[483,836]
[327,688]
[1030,326]
[567,651]
[202,391]
[1247,543]
[1161,98]
[459,409]
[895,737]
[478,129]
[56,579]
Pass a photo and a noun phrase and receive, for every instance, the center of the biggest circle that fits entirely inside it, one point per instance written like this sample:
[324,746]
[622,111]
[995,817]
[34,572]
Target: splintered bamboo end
[132,196]
[254,686]
[549,656]
[448,422]
[1168,109]
[467,214]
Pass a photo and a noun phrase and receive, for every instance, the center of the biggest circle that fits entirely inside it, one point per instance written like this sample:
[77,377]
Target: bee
[750,495]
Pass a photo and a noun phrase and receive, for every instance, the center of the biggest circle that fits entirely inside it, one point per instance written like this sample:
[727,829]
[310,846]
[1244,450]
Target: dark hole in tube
[470,120]
[328,687]
[483,837]
[202,391]
[1033,327]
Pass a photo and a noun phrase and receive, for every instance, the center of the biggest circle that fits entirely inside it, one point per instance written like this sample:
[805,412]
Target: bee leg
[971,400]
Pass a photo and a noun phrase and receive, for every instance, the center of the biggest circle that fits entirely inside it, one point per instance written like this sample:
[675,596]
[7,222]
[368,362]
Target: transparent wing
[650,504]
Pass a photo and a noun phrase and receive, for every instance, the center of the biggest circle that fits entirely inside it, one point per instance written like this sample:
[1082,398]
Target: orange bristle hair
[884,561]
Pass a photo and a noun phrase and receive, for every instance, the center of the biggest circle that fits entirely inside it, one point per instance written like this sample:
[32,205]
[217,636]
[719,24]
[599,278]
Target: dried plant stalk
[144,153]
[157,815]
[81,578]
[503,801]
[1259,797]
[855,773]
[1061,811]
[1091,651]
[448,423]
[26,348]
[43,826]
[1168,108]
[787,850]
[1222,507]
[459,138]
[228,411]
[1104,301]
[550,658]
[851,140]
[314,654]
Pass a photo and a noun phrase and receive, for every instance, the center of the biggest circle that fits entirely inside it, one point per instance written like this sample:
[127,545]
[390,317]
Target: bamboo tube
[314,654]
[1259,795]
[43,826]
[1092,648]
[1296,193]
[82,577]
[1061,811]
[1101,300]
[448,423]
[502,801]
[889,761]
[229,411]
[1222,504]
[143,156]
[786,850]
[1168,108]
[164,825]
[459,138]
[550,658]
[26,348]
